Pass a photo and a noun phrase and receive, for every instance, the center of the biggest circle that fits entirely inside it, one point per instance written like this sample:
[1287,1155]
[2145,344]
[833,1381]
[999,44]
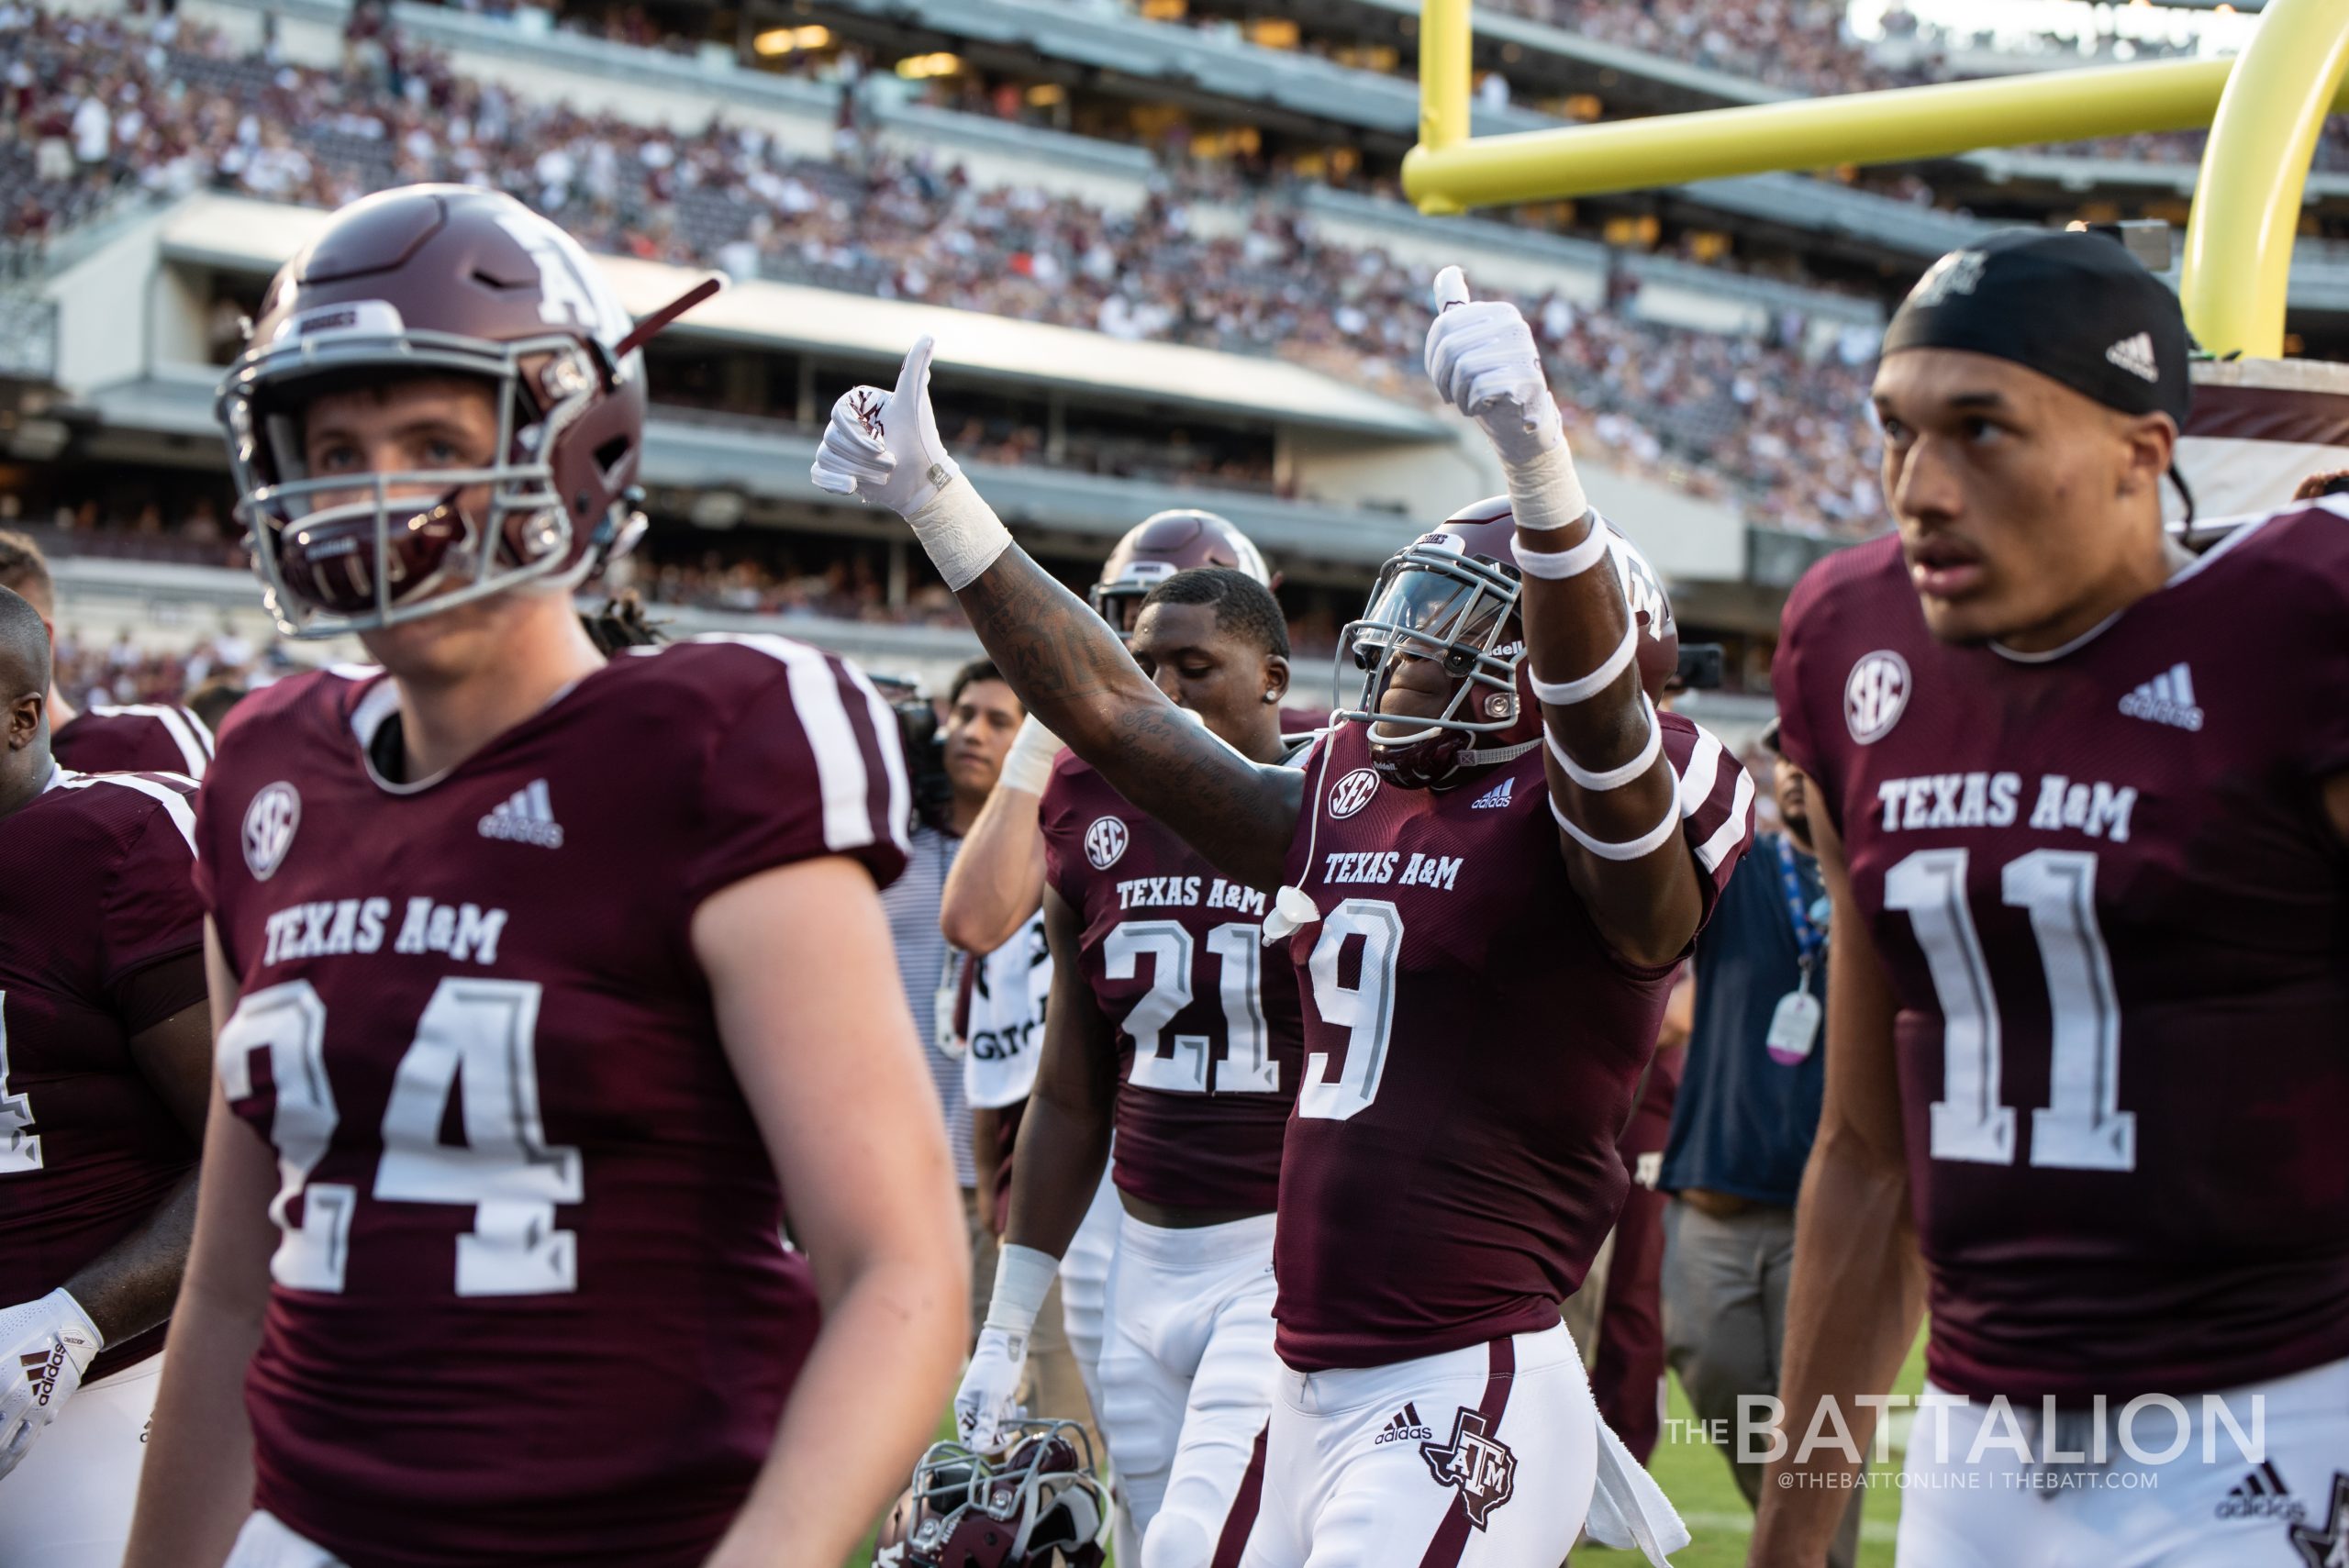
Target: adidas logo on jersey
[525,817]
[2261,1494]
[1494,797]
[2167,699]
[1404,1428]
[2135,355]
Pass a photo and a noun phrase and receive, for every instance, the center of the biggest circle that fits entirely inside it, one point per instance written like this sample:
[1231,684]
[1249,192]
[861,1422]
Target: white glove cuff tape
[1544,491]
[1565,693]
[1636,849]
[1557,566]
[960,533]
[1022,1277]
[1613,778]
[1029,764]
[70,1310]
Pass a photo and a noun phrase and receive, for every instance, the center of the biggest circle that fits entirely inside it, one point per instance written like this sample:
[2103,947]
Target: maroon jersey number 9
[1364,1010]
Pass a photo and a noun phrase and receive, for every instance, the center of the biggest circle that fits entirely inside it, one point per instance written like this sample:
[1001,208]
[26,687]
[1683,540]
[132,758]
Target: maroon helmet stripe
[1452,1535]
[1241,1519]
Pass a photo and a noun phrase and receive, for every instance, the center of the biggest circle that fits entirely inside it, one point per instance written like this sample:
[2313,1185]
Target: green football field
[1696,1479]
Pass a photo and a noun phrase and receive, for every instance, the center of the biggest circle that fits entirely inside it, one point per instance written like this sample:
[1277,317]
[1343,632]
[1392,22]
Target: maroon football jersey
[531,1304]
[141,738]
[1473,1048]
[2103,885]
[1208,1030]
[95,903]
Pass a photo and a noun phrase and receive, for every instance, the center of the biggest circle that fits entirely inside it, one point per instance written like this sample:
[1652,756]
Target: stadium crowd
[180,109]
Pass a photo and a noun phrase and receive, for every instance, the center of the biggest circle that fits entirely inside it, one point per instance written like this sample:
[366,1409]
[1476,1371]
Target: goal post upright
[2265,110]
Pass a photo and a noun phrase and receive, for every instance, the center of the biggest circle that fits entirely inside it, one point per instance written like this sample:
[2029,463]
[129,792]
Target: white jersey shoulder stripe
[187,731]
[1704,767]
[1739,826]
[175,804]
[841,777]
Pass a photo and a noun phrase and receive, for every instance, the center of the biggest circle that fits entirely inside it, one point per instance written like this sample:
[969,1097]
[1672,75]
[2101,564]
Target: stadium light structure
[2265,109]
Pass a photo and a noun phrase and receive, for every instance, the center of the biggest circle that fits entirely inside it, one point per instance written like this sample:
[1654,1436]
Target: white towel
[1627,1508]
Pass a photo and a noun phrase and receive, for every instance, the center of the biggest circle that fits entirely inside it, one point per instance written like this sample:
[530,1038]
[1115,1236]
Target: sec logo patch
[1875,694]
[1105,842]
[1350,794]
[270,822]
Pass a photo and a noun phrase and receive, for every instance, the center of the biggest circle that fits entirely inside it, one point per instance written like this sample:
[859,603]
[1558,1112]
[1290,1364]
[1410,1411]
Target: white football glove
[1482,358]
[45,1347]
[988,1400]
[883,446]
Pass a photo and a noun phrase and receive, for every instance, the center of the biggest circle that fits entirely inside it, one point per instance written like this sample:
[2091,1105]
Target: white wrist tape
[1544,491]
[1557,566]
[1613,778]
[1029,764]
[960,533]
[1565,693]
[1636,849]
[1022,1276]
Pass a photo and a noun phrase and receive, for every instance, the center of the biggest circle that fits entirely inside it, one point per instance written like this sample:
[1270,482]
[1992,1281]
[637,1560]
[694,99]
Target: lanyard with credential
[1794,1024]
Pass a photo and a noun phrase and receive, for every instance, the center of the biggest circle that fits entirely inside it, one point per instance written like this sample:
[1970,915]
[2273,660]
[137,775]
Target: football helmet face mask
[448,281]
[1038,1503]
[1451,597]
[1158,547]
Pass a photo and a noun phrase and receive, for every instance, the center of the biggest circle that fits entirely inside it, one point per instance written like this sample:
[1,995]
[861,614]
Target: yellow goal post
[2265,109]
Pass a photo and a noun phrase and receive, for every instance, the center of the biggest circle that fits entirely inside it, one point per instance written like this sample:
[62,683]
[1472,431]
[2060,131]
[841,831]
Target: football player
[540,980]
[105,738]
[2081,798]
[1502,821]
[1167,1024]
[106,1057]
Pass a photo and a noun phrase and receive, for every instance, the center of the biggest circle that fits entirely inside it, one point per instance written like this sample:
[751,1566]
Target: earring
[1272,696]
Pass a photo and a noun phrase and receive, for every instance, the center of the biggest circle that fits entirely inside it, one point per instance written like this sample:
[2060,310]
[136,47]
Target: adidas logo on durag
[2261,1494]
[2135,355]
[525,817]
[1497,796]
[1405,1428]
[2167,699]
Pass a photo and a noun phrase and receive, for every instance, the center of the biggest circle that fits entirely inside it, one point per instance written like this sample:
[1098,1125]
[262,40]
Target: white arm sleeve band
[1636,849]
[1565,693]
[1022,1276]
[1544,491]
[1557,566]
[960,533]
[1029,764]
[1613,778]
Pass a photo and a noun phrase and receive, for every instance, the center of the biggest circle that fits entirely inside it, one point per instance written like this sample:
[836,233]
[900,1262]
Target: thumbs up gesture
[1482,357]
[883,446]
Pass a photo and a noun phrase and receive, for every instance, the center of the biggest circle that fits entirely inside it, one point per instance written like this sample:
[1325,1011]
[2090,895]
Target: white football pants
[1187,1378]
[266,1542]
[1477,1458]
[2280,1500]
[68,1504]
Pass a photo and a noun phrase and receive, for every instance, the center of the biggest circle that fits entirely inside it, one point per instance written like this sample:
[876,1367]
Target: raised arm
[1064,1144]
[1858,1291]
[1611,787]
[999,875]
[1063,661]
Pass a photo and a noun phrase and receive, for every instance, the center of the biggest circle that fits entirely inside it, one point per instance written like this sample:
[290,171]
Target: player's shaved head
[25,569]
[23,646]
[24,700]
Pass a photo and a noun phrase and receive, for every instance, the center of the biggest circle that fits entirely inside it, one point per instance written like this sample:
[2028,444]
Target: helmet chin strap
[1497,753]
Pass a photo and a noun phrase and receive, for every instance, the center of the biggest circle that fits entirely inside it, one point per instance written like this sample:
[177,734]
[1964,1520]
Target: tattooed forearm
[1074,675]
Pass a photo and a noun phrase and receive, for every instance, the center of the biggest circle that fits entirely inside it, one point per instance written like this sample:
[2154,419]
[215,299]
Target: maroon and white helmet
[1040,1505]
[1452,595]
[1161,545]
[441,280]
